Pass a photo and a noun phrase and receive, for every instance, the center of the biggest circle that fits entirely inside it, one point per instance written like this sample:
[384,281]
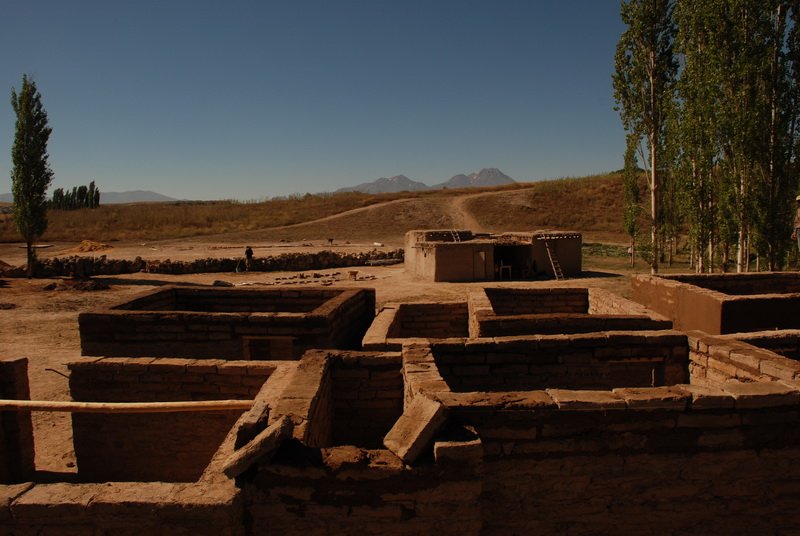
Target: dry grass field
[591,205]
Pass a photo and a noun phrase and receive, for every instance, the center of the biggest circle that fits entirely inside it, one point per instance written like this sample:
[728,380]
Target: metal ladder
[456,237]
[551,254]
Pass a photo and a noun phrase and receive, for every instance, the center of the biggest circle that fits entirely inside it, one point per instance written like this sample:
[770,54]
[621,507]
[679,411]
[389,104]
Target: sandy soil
[42,324]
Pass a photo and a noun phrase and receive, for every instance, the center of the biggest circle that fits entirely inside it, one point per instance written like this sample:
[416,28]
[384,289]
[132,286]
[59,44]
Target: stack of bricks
[583,361]
[16,431]
[141,447]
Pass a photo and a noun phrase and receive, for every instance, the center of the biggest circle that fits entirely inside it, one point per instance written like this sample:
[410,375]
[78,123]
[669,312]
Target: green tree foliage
[30,174]
[78,197]
[724,161]
[644,85]
[633,195]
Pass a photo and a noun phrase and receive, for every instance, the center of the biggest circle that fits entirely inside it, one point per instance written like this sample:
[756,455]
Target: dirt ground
[42,324]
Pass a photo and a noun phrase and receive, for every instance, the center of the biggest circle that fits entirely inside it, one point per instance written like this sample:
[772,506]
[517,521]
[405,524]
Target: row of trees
[709,96]
[79,197]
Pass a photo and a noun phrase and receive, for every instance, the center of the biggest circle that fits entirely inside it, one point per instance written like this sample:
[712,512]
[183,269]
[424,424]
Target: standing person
[248,258]
[796,230]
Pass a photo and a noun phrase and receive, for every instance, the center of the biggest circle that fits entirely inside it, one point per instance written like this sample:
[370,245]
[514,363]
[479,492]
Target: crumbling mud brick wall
[229,323]
[311,485]
[399,321]
[722,303]
[156,446]
[497,312]
[16,431]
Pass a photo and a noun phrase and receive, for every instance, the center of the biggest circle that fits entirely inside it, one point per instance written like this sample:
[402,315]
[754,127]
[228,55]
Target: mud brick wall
[306,398]
[16,431]
[719,360]
[446,235]
[744,284]
[508,301]
[160,446]
[367,397]
[430,320]
[500,326]
[603,302]
[250,301]
[583,361]
[340,321]
[121,508]
[784,342]
[348,316]
[351,491]
[692,307]
[700,492]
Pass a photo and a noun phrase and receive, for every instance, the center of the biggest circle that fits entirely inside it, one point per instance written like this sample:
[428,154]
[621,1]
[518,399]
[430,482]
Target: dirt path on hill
[462,216]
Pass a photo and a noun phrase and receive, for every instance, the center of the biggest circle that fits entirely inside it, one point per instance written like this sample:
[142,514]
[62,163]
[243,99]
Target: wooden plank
[125,407]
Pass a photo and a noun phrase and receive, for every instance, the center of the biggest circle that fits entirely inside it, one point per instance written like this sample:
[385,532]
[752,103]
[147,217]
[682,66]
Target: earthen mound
[78,284]
[87,246]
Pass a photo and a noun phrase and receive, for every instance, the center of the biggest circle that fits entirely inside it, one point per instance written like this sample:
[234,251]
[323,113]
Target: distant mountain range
[401,183]
[111,198]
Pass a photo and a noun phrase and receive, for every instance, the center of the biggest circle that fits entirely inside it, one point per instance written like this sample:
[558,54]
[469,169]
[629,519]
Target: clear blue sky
[211,100]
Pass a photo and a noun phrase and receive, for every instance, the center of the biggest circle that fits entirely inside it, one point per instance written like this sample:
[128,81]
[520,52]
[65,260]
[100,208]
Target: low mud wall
[130,329]
[170,447]
[82,266]
[121,508]
[692,303]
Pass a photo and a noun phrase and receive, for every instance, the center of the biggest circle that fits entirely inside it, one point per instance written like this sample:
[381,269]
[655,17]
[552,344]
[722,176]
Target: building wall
[464,261]
[568,251]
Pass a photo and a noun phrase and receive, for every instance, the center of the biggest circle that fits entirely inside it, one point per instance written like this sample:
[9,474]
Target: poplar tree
[30,173]
[644,82]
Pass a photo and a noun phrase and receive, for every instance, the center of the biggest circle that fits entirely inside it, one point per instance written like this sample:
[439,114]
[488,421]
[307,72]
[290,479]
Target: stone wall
[102,265]
[145,447]
[16,431]
[129,329]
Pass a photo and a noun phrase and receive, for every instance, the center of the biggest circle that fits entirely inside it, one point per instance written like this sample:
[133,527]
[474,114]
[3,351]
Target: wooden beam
[125,407]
